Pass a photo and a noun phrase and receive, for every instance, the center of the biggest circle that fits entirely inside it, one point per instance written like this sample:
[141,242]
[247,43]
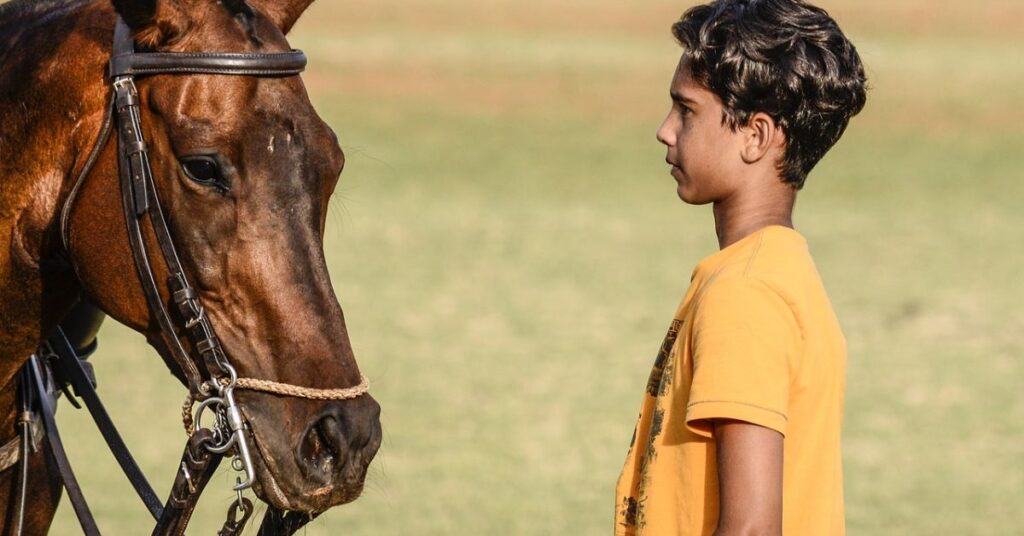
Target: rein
[210,377]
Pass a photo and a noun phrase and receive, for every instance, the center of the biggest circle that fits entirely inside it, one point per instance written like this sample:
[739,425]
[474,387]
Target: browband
[273,64]
[125,61]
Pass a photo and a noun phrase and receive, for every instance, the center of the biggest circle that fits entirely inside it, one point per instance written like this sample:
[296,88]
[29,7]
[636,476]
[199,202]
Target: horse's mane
[21,18]
[29,30]
[16,7]
[21,11]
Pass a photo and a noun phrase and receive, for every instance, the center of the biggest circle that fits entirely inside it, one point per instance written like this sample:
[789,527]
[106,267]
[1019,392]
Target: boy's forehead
[685,85]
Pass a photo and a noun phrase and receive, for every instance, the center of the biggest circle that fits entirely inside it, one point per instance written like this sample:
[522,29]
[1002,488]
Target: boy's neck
[742,215]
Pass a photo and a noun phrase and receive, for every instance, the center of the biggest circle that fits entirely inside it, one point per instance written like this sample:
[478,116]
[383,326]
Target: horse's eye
[203,169]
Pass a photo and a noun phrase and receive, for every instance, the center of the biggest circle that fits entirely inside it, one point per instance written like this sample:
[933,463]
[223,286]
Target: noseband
[210,377]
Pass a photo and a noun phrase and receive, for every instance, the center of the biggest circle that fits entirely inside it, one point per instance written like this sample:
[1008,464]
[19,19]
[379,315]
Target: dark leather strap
[247,64]
[133,169]
[90,162]
[26,451]
[195,470]
[127,62]
[238,515]
[278,522]
[34,372]
[71,368]
[26,416]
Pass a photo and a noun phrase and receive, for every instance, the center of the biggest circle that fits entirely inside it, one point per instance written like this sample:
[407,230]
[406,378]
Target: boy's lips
[674,171]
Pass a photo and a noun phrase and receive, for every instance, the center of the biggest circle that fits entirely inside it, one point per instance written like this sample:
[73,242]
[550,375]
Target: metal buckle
[198,313]
[124,83]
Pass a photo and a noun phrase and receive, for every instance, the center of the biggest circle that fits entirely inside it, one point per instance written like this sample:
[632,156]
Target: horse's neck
[52,101]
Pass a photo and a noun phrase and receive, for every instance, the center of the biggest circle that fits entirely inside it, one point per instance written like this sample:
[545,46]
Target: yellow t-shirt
[755,339]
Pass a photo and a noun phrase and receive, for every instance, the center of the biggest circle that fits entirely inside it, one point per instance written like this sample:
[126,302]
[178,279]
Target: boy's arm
[749,479]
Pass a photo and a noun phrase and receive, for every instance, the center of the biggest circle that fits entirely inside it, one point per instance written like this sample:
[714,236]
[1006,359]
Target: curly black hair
[785,58]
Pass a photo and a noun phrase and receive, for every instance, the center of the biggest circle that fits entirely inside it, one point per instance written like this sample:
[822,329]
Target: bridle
[210,377]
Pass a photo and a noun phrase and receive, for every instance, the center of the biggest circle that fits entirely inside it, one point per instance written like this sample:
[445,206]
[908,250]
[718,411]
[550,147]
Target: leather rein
[210,377]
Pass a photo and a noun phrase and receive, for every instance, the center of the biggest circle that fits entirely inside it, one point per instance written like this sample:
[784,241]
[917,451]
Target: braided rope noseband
[286,389]
[278,388]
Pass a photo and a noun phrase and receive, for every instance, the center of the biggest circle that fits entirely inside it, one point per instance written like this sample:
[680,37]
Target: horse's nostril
[322,445]
[330,432]
[340,442]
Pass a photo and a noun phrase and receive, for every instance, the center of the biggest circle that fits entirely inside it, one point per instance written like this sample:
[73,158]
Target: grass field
[509,250]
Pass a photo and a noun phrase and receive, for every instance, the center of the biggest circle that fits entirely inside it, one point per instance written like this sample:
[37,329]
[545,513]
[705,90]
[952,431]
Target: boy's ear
[761,135]
[153,22]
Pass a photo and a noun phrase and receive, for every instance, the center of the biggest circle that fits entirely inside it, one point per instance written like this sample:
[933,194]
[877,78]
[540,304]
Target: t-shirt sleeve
[745,337]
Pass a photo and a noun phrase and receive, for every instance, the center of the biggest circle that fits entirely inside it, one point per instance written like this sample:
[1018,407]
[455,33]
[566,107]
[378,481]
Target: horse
[243,168]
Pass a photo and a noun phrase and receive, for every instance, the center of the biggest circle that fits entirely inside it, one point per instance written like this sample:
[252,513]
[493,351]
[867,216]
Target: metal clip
[235,523]
[229,428]
[234,415]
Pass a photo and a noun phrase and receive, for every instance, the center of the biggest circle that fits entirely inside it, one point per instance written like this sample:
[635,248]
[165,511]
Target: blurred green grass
[508,249]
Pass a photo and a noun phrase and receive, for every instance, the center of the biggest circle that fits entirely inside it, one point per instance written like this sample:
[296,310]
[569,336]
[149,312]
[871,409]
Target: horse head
[244,169]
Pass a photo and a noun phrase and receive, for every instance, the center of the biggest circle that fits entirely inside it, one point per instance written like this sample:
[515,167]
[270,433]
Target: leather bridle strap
[197,467]
[125,61]
[276,522]
[28,434]
[70,368]
[90,162]
[34,375]
[139,195]
[248,64]
[136,181]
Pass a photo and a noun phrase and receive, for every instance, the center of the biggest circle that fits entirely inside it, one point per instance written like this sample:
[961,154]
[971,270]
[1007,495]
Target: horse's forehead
[216,28]
[230,104]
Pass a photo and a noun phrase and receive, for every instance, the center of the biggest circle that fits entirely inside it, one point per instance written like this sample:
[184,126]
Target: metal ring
[205,404]
[221,449]
[222,445]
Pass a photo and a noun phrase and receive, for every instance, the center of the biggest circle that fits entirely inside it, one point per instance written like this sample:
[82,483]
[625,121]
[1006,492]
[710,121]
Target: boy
[739,431]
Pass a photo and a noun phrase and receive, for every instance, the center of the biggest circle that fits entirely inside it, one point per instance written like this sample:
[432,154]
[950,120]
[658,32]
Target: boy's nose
[665,133]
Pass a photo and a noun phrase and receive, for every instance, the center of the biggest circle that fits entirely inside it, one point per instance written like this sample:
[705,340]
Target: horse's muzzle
[338,446]
[320,465]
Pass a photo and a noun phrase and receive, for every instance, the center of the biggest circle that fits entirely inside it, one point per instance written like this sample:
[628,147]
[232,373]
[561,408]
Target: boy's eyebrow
[679,97]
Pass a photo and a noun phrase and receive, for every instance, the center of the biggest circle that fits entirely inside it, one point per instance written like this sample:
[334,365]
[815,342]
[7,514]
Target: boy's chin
[689,197]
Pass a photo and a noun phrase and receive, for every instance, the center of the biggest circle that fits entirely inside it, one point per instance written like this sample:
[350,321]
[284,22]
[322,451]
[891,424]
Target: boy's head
[783,59]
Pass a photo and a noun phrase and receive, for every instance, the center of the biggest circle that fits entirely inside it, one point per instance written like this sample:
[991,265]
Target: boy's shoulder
[775,258]
[769,253]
